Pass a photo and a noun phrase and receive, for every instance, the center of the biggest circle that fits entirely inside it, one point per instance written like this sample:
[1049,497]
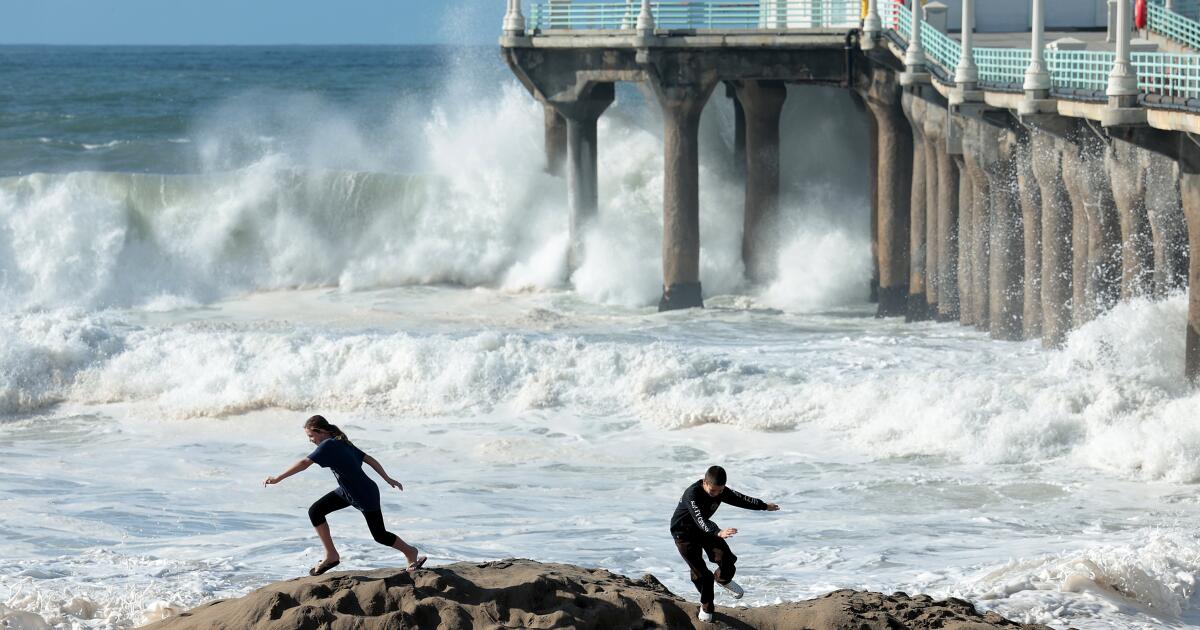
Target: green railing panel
[1002,65]
[1079,69]
[940,48]
[1169,74]
[1174,26]
[903,24]
[1189,9]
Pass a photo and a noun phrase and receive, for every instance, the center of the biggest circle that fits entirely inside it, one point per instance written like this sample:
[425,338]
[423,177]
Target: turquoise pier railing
[941,48]
[1079,74]
[692,14]
[1168,74]
[1079,70]
[1174,26]
[1073,74]
[1189,9]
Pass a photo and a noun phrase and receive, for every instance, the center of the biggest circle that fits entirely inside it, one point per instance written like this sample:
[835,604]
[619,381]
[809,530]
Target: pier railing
[1173,78]
[545,15]
[1174,25]
[1189,9]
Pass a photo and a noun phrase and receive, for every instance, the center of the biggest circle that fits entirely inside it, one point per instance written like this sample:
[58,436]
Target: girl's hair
[319,423]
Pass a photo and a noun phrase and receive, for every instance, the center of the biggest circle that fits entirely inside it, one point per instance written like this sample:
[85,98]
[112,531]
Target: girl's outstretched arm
[299,466]
[374,463]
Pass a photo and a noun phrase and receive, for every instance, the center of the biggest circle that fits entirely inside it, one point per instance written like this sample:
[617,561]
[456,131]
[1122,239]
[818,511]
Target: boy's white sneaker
[734,589]
[705,616]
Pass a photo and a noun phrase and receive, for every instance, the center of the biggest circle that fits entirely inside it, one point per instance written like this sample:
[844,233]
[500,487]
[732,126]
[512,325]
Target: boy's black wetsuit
[695,533]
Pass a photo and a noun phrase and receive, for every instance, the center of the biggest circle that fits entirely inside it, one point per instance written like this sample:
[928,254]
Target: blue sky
[249,21]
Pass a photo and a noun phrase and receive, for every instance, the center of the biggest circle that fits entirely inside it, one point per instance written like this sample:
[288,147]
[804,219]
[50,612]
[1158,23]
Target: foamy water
[165,335]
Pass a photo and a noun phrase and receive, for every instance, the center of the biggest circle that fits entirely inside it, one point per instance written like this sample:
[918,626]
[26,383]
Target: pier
[1022,187]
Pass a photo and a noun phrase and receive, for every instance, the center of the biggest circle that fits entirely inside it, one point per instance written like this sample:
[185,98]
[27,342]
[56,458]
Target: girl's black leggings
[333,502]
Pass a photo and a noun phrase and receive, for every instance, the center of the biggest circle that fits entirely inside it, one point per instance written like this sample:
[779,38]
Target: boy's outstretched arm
[737,499]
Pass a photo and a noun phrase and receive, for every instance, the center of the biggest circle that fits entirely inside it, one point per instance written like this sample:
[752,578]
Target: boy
[694,532]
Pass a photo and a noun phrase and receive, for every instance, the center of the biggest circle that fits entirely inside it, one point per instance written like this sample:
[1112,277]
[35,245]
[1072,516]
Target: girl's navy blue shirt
[345,460]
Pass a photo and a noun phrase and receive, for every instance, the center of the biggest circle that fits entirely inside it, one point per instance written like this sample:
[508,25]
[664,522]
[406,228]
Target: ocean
[202,246]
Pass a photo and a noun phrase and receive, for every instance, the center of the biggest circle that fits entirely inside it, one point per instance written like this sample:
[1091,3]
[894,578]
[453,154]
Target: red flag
[1139,14]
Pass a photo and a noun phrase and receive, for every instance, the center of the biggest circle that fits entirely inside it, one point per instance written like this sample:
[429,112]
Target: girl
[335,451]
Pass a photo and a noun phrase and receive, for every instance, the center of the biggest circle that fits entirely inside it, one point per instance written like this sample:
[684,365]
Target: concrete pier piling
[1168,227]
[934,120]
[1189,186]
[1056,213]
[981,211]
[1124,168]
[1081,311]
[873,189]
[1030,200]
[1103,283]
[893,179]
[762,102]
[581,114]
[948,200]
[555,139]
[682,103]
[918,305]
[966,204]
[1006,281]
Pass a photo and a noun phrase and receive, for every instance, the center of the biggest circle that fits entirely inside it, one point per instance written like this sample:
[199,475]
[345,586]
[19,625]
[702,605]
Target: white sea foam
[942,399]
[1150,579]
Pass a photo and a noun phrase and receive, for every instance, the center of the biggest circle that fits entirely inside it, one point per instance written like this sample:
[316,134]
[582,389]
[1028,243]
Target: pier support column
[1168,227]
[966,204]
[893,178]
[1071,167]
[1006,301]
[762,102]
[1189,185]
[1030,197]
[556,140]
[1124,169]
[581,115]
[682,103]
[918,305]
[979,244]
[945,239]
[1046,163]
[948,197]
[1097,234]
[934,134]
[873,168]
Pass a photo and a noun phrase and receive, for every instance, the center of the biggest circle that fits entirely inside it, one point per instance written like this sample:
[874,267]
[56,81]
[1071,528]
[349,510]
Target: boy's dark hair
[715,476]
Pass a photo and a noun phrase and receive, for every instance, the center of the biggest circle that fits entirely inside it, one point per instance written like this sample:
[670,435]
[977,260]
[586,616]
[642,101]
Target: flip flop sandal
[412,568]
[323,566]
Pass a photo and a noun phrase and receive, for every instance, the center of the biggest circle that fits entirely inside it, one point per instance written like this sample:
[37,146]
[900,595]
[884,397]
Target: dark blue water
[141,109]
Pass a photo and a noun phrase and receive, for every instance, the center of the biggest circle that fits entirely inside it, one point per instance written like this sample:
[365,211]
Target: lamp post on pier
[645,20]
[872,25]
[914,57]
[1122,81]
[514,22]
[1037,79]
[915,72]
[966,75]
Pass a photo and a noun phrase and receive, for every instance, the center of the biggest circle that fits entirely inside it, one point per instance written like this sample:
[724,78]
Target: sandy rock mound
[528,594]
